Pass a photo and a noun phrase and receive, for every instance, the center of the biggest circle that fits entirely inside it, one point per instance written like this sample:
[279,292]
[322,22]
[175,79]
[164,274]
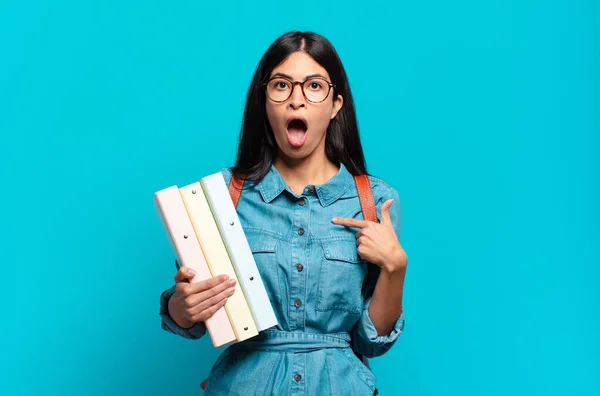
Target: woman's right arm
[186,306]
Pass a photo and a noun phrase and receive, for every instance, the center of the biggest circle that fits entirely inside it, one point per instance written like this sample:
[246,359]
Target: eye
[280,85]
[315,85]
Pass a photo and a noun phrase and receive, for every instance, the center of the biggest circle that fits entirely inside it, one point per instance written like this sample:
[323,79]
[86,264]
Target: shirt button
[301,231]
[297,303]
[311,189]
[297,377]
[299,267]
[302,202]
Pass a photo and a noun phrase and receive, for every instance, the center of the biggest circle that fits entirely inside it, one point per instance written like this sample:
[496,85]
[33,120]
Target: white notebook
[239,250]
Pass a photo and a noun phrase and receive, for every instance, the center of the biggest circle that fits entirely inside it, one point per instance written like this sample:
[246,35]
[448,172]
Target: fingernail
[224,277]
[191,272]
[334,219]
[232,282]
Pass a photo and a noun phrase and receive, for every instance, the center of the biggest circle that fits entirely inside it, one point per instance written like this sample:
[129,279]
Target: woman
[335,280]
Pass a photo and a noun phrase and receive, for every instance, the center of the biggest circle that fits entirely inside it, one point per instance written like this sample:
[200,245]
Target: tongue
[296,133]
[296,136]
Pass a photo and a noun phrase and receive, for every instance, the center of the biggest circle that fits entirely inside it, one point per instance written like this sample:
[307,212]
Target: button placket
[297,278]
[299,372]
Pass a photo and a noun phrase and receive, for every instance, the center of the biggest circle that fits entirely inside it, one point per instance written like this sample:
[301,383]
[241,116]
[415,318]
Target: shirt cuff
[370,341]
[168,324]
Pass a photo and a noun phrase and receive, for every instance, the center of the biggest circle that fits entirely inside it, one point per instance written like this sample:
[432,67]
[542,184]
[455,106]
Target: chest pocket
[264,249]
[341,277]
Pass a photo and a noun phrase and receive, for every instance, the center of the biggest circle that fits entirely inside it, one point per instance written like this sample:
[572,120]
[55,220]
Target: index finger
[350,222]
[207,284]
[186,274]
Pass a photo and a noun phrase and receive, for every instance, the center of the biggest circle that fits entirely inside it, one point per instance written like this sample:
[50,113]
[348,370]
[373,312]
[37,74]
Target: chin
[294,153]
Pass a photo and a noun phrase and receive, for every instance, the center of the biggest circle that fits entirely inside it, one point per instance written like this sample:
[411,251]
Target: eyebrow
[291,78]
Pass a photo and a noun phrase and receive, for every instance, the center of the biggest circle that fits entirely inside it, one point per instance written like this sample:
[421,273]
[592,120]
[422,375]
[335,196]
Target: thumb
[184,274]
[385,212]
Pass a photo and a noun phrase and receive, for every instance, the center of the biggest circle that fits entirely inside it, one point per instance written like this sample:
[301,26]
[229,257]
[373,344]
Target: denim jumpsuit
[318,287]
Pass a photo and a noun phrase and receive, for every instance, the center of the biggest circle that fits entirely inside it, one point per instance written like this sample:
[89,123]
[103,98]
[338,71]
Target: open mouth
[296,131]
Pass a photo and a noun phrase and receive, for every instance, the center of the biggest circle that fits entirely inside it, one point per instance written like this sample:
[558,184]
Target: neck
[300,172]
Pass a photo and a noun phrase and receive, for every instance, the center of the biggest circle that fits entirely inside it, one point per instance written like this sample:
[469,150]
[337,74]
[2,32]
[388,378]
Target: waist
[287,341]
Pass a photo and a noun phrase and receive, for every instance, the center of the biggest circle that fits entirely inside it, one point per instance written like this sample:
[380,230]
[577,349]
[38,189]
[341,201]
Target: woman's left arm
[386,304]
[379,244]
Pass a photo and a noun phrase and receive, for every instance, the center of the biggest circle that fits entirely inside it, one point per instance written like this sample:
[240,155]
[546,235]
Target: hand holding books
[197,302]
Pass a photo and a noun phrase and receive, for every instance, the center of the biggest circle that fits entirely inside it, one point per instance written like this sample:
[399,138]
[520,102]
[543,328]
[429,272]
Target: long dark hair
[257,146]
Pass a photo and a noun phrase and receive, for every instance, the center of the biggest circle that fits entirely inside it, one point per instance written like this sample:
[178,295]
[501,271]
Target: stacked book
[205,234]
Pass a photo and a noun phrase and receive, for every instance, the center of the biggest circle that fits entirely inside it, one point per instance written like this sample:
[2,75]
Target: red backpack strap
[365,196]
[235,188]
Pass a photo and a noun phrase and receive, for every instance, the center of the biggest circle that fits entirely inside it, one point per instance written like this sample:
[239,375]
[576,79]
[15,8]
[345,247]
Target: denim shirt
[318,287]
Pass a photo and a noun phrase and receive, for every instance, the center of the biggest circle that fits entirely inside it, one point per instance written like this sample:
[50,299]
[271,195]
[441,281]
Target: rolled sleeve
[168,324]
[366,339]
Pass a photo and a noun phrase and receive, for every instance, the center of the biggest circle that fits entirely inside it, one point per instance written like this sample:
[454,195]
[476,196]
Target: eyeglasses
[314,89]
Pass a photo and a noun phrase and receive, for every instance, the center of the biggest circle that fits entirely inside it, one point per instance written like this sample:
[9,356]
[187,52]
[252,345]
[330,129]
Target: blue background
[484,116]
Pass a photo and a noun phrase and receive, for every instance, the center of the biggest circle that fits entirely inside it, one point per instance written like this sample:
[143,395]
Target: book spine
[182,238]
[237,245]
[217,258]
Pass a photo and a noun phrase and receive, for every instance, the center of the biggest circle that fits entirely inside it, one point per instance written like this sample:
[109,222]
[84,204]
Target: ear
[337,105]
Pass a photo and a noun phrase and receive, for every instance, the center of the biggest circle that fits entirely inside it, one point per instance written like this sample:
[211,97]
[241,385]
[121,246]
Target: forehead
[299,65]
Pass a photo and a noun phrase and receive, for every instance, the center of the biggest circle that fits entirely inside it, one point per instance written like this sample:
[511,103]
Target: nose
[297,98]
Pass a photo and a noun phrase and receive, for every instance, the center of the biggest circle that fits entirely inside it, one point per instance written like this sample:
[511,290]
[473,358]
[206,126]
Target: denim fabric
[319,289]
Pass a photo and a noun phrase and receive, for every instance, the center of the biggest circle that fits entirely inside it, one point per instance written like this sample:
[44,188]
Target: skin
[299,167]
[196,302]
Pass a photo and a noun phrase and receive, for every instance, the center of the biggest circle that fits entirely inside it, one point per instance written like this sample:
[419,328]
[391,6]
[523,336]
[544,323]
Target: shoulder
[382,190]
[227,173]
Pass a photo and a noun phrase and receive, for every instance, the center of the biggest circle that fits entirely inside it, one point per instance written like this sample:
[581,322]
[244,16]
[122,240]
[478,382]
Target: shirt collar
[273,184]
